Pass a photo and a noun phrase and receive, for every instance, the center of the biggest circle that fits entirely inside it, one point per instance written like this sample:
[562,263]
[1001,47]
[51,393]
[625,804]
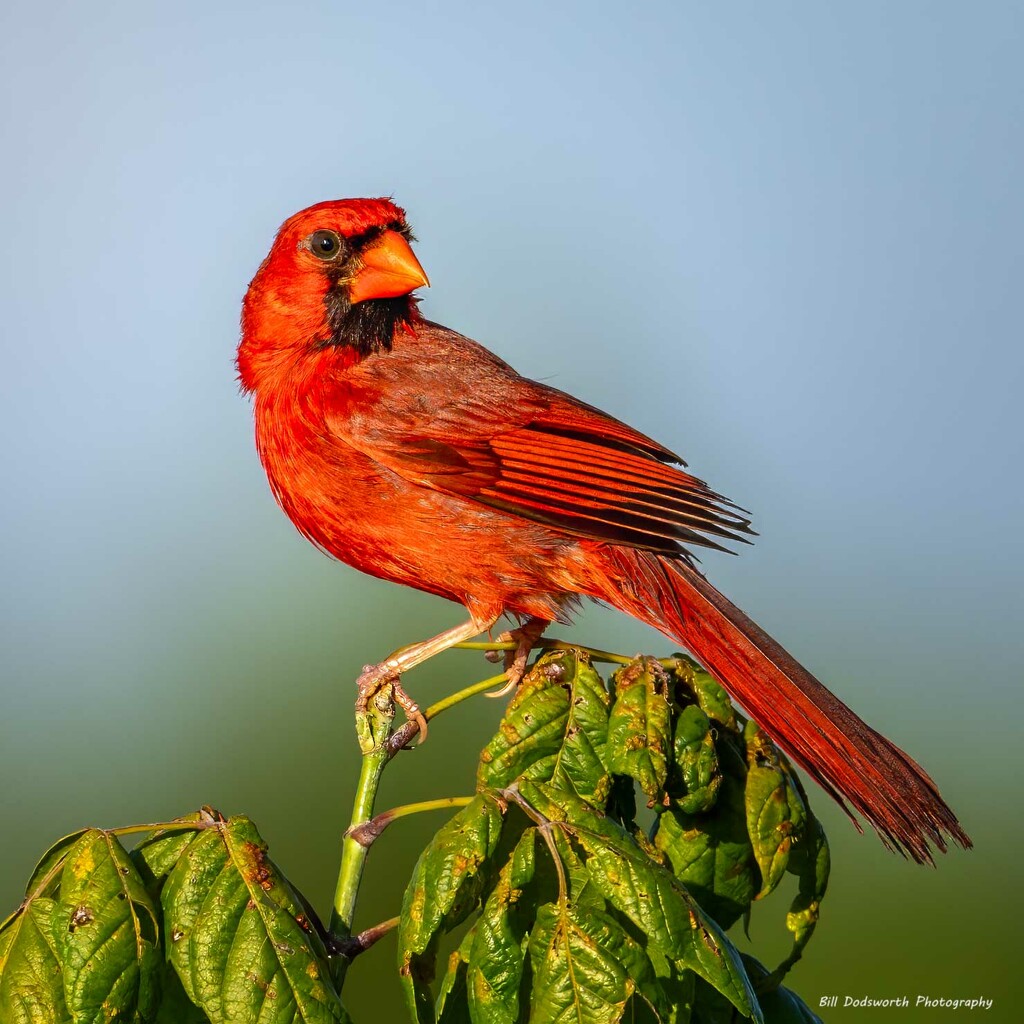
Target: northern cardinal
[418,456]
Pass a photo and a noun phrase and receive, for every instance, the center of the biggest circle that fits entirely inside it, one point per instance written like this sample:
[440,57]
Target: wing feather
[444,413]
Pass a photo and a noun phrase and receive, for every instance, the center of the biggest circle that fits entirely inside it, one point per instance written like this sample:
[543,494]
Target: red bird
[415,455]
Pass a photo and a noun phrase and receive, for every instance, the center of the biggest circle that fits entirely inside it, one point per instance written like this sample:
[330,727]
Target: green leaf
[649,895]
[640,727]
[48,867]
[711,853]
[157,854]
[586,968]
[105,928]
[696,761]
[775,810]
[579,764]
[772,820]
[810,860]
[553,730]
[446,886]
[580,888]
[498,950]
[707,691]
[31,984]
[232,925]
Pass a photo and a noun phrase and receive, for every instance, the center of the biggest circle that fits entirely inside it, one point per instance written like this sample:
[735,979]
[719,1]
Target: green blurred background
[785,239]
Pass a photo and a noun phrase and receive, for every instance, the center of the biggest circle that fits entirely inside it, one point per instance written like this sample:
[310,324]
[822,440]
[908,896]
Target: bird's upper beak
[389,269]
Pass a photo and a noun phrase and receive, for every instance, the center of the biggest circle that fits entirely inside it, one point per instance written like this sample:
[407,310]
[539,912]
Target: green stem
[460,695]
[374,725]
[427,805]
[369,831]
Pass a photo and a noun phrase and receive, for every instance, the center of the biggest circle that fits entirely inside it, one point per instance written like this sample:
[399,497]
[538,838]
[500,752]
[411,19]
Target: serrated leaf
[232,925]
[553,730]
[445,887]
[640,727]
[31,983]
[498,950]
[586,968]
[648,894]
[711,854]
[105,927]
[696,761]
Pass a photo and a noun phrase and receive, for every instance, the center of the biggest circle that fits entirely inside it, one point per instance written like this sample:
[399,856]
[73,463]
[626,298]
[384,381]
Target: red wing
[443,412]
[578,470]
[595,486]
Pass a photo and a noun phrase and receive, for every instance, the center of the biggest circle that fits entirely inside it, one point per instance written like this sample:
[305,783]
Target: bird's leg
[374,677]
[515,661]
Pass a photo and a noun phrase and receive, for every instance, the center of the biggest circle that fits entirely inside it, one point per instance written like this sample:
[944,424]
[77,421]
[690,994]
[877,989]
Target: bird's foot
[515,661]
[372,680]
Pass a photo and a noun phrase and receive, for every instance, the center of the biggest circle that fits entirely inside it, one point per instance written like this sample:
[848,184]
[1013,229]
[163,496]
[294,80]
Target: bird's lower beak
[389,269]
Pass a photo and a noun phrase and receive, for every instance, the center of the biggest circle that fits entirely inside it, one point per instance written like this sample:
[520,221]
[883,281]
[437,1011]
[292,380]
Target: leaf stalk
[369,831]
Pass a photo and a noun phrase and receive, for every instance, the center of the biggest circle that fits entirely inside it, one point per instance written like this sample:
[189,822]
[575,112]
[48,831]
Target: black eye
[325,244]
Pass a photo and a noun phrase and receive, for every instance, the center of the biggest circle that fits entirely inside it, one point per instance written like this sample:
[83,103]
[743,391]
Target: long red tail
[837,749]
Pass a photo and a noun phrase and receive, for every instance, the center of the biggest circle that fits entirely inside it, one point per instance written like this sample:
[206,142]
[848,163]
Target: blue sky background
[784,239]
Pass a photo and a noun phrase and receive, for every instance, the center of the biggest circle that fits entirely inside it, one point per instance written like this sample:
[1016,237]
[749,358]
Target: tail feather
[843,754]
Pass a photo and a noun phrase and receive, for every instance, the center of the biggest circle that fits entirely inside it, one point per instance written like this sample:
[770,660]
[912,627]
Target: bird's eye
[325,244]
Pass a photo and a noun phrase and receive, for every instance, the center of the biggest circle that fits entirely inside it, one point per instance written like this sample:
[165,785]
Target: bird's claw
[373,679]
[515,661]
[412,712]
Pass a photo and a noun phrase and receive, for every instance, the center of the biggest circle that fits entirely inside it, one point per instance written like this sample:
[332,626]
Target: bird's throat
[368,326]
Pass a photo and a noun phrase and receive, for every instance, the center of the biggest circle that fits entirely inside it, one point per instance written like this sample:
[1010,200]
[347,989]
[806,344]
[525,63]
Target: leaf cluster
[572,899]
[578,913]
[195,926]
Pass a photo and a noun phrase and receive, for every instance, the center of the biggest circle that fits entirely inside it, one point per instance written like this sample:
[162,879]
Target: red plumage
[415,455]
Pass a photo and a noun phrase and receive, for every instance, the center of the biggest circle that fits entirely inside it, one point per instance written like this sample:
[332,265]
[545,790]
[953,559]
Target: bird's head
[340,274]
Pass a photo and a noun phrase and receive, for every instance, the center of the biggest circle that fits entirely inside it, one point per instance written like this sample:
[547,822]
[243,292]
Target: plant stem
[351,947]
[369,831]
[376,724]
[460,695]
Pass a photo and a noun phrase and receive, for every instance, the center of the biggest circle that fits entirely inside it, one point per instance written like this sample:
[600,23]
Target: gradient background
[786,239]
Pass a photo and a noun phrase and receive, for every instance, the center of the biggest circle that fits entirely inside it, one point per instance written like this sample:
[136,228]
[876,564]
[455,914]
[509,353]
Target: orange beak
[389,269]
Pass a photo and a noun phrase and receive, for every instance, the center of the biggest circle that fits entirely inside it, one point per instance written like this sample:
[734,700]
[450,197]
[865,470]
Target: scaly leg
[373,677]
[515,661]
